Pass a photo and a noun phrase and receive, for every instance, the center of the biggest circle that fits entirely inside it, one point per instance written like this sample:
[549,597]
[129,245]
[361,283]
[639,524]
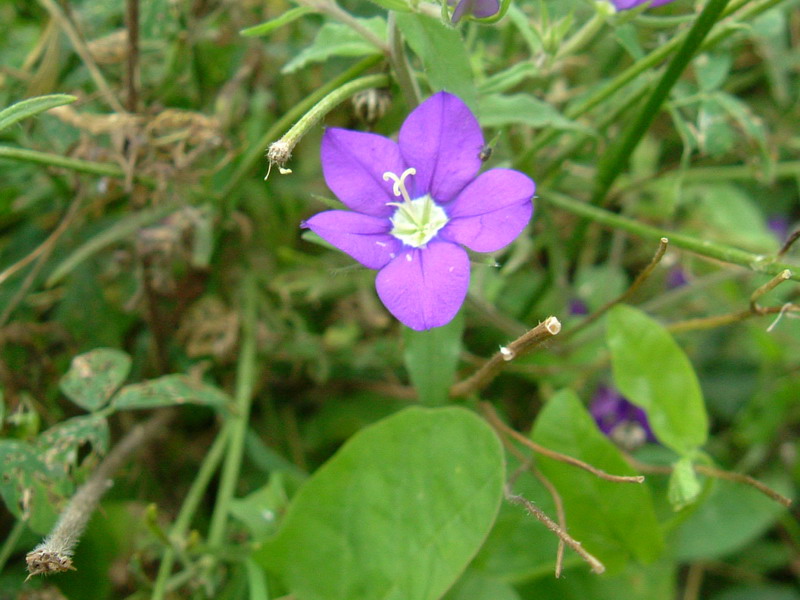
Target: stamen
[399,187]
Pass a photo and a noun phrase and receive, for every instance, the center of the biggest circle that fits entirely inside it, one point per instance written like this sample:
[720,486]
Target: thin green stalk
[782,170]
[614,161]
[207,469]
[755,262]
[399,60]
[720,32]
[11,541]
[256,151]
[237,421]
[290,139]
[74,164]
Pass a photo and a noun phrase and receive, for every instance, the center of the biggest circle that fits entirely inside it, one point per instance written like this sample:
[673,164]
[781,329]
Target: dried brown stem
[560,513]
[132,65]
[788,243]
[519,347]
[494,420]
[42,251]
[534,510]
[717,473]
[637,283]
[754,309]
[83,51]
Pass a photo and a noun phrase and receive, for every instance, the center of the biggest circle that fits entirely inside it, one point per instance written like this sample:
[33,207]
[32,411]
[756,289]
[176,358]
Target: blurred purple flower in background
[416,202]
[676,277]
[625,423]
[628,4]
[779,225]
[578,307]
[476,8]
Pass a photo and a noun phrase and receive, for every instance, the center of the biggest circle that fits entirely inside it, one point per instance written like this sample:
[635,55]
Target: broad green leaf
[729,518]
[725,213]
[477,586]
[652,371]
[335,39]
[259,510]
[94,376]
[504,80]
[431,358]
[684,486]
[397,5]
[169,390]
[614,521]
[596,285]
[498,111]
[58,446]
[655,581]
[712,70]
[396,514]
[30,490]
[269,26]
[443,55]
[31,107]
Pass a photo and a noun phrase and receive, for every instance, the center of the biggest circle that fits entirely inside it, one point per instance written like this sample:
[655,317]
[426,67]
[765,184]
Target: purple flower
[415,204]
[476,8]
[676,277]
[620,420]
[628,4]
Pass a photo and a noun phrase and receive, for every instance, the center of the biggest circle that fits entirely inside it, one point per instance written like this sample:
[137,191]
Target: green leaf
[431,358]
[59,445]
[443,55]
[94,376]
[477,586]
[652,371]
[504,80]
[335,39]
[684,486]
[31,107]
[397,5]
[396,514]
[259,510]
[30,490]
[729,518]
[269,26]
[612,520]
[169,390]
[498,111]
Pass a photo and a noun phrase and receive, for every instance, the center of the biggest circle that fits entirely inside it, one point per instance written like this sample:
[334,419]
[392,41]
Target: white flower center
[416,221]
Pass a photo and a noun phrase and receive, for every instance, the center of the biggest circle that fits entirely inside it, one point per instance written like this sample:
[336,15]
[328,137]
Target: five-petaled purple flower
[476,8]
[416,202]
[623,422]
[628,4]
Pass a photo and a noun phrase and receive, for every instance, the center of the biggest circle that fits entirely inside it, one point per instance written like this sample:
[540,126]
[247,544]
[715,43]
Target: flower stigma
[415,222]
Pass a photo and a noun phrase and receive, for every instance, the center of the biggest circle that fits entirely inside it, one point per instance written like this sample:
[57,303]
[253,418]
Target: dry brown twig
[519,347]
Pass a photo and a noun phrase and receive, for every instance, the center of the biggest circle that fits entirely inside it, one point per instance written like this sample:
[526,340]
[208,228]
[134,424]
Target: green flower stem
[615,160]
[322,108]
[11,542]
[207,469]
[256,151]
[236,423]
[721,252]
[781,170]
[585,34]
[720,32]
[399,60]
[74,164]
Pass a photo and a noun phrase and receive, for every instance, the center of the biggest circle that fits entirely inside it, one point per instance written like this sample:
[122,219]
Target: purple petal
[491,211]
[441,139]
[353,164]
[425,287]
[363,237]
[477,8]
[628,4]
